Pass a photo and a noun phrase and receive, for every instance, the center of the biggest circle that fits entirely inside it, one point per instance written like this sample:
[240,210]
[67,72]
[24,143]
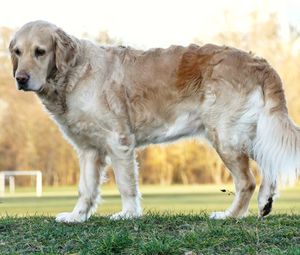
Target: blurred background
[30,140]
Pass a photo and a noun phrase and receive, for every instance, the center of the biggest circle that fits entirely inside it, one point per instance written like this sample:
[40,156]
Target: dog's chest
[83,123]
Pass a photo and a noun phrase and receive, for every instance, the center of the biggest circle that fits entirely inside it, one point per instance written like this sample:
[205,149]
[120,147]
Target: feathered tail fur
[276,147]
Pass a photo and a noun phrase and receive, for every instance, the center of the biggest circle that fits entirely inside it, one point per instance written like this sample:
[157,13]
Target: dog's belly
[158,131]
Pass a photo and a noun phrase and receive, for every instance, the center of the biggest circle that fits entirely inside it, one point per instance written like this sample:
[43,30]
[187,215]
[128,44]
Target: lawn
[152,234]
[176,222]
[171,199]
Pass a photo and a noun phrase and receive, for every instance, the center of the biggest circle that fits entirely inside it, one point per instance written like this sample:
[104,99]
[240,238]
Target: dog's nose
[22,79]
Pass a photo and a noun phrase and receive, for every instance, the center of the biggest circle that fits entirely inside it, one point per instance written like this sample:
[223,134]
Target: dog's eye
[17,52]
[39,52]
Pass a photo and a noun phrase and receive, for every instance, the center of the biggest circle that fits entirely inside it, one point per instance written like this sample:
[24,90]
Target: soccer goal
[11,180]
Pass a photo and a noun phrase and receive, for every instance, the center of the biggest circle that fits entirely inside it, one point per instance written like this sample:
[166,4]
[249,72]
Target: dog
[107,101]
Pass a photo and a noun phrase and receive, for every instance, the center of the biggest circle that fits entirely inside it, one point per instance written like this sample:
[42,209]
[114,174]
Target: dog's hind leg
[238,164]
[266,195]
[126,175]
[91,168]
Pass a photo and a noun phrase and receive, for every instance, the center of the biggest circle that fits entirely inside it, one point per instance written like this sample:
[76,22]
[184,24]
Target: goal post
[11,176]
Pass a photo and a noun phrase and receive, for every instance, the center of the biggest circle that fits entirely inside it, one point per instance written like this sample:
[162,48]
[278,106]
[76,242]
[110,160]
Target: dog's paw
[125,215]
[70,217]
[265,207]
[219,215]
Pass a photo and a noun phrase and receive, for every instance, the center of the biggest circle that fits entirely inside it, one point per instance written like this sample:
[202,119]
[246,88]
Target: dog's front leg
[126,174]
[126,178]
[91,166]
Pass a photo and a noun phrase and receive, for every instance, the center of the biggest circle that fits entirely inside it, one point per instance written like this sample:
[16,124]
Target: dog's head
[38,50]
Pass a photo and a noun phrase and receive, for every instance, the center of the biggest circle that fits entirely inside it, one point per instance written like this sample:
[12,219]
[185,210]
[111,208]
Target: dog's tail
[276,147]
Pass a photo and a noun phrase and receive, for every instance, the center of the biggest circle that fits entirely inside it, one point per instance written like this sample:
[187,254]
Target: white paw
[219,215]
[125,215]
[70,217]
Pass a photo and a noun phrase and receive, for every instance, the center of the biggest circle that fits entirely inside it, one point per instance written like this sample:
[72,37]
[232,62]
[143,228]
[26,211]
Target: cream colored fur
[109,100]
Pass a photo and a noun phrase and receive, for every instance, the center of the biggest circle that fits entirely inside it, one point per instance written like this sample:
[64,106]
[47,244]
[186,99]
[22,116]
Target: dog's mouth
[25,88]
[40,90]
[29,90]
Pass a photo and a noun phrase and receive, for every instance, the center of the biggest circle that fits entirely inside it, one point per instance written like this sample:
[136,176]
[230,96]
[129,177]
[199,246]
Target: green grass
[152,234]
[172,199]
[176,222]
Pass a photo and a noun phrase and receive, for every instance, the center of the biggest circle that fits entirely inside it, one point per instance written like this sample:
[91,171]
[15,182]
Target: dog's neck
[54,93]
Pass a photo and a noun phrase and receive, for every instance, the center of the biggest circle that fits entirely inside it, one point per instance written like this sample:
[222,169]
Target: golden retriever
[109,100]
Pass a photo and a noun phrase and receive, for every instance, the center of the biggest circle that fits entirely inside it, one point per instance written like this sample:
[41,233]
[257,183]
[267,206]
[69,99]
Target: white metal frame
[11,178]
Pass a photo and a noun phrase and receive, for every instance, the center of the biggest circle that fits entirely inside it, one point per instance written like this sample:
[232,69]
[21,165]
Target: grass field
[176,222]
[172,199]
[152,234]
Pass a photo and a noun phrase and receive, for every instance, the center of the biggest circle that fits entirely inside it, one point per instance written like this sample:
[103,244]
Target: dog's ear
[66,49]
[14,59]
